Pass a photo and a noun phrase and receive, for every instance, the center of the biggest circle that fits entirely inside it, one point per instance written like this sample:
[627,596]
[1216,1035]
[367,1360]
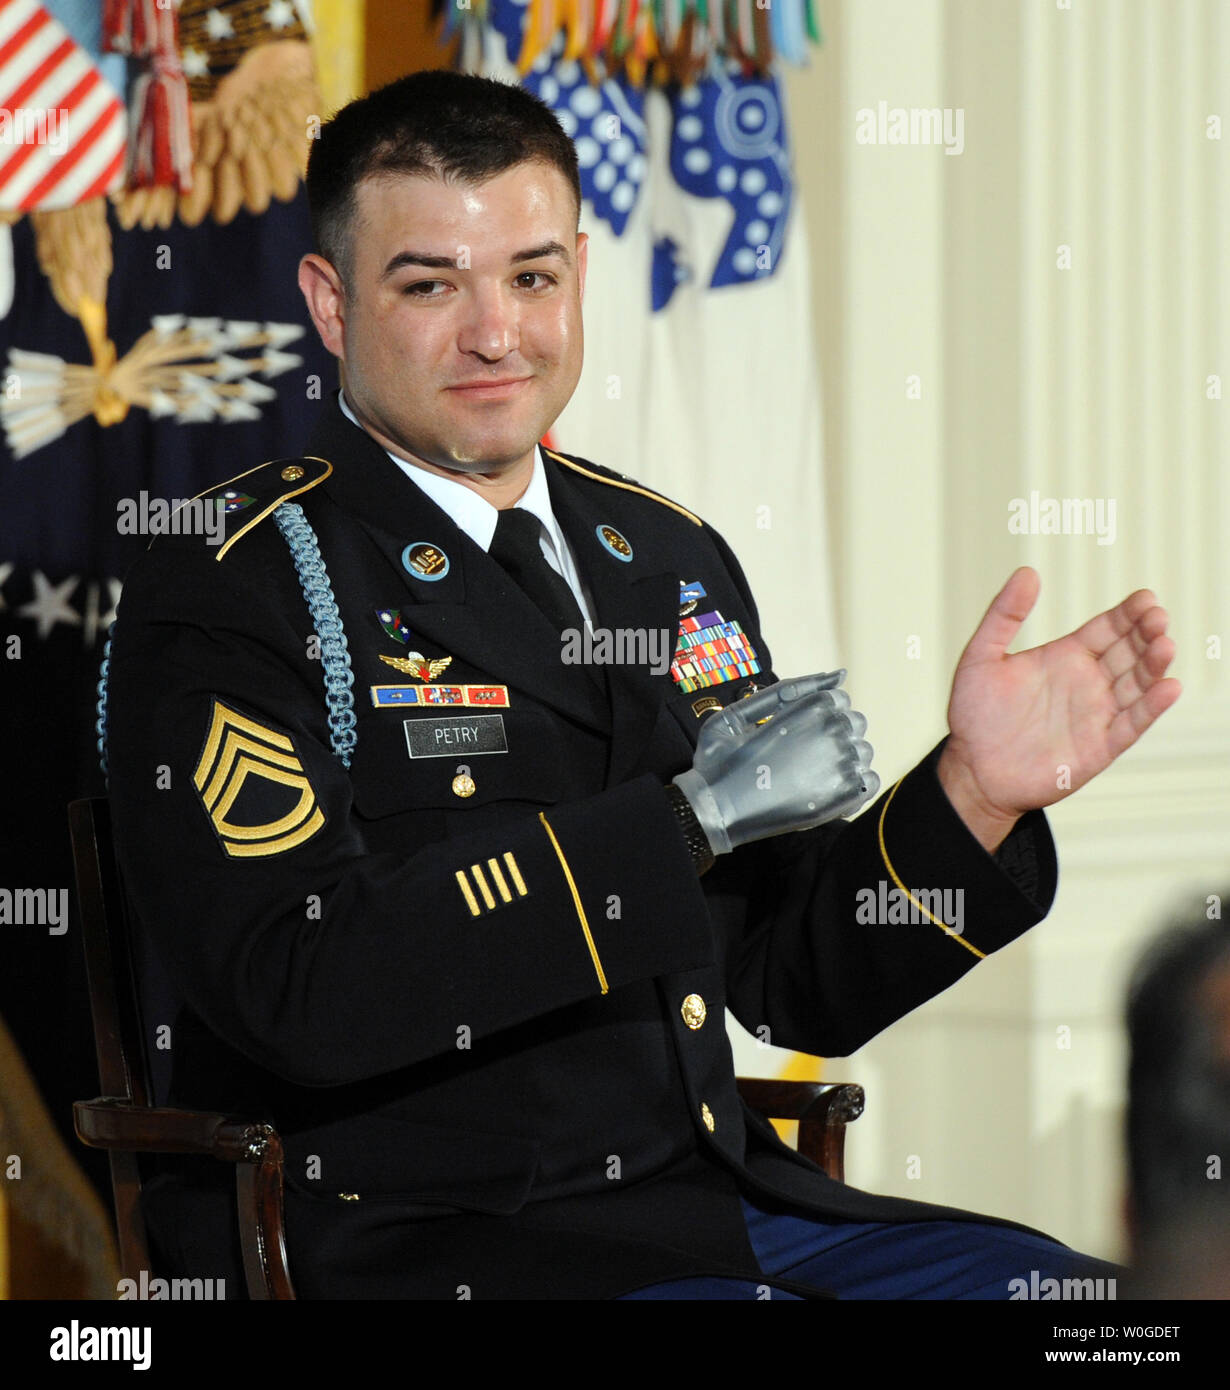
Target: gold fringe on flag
[649,41]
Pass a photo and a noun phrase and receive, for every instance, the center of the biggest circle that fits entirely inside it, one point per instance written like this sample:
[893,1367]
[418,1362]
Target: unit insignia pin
[614,543]
[422,560]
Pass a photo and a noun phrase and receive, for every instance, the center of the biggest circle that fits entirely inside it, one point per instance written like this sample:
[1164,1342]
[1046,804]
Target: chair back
[115,1003]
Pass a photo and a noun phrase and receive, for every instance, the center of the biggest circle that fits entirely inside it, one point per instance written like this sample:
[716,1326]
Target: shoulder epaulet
[613,479]
[250,497]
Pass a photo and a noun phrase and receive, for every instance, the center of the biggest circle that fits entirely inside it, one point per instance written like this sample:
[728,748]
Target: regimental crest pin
[233,501]
[391,620]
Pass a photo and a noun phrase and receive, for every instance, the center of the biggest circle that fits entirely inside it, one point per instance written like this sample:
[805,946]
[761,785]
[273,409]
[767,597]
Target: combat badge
[690,596]
[253,787]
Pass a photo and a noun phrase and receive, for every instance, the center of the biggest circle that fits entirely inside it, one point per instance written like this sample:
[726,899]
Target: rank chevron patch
[253,787]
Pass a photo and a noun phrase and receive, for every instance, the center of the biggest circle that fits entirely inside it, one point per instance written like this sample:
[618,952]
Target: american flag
[62,128]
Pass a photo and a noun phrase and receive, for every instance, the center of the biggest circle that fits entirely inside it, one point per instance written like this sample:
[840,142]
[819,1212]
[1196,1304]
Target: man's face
[457,286]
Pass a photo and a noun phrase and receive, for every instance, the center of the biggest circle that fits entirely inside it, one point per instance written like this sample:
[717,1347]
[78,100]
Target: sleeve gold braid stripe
[982,955]
[627,487]
[518,881]
[477,871]
[471,901]
[498,877]
[576,902]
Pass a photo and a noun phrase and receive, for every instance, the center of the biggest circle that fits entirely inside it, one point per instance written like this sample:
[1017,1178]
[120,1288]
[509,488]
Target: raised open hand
[1030,728]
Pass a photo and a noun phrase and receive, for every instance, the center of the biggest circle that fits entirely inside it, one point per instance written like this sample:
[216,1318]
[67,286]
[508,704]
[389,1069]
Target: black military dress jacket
[480,990]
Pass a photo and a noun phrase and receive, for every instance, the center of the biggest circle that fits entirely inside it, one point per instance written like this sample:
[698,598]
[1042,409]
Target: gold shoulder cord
[982,955]
[627,487]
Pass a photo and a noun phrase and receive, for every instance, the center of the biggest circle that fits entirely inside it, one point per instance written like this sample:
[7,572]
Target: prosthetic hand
[787,758]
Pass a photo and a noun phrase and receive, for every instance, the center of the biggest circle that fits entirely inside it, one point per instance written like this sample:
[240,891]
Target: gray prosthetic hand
[806,765]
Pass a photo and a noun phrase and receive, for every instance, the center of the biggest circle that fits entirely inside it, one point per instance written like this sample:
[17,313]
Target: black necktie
[517,546]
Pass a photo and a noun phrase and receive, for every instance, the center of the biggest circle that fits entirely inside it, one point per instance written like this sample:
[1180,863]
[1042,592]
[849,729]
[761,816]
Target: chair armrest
[822,1108]
[838,1102]
[116,1124]
[255,1148]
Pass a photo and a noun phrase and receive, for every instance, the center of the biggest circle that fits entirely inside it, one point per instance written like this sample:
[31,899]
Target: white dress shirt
[477,517]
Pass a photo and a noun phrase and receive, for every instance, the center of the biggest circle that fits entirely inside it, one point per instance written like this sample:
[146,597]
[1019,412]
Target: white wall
[1083,126]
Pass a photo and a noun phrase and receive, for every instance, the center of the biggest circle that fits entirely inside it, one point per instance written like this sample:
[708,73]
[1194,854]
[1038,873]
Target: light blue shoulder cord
[334,652]
[100,724]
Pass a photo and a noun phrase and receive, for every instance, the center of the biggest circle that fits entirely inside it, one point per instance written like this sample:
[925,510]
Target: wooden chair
[125,1122]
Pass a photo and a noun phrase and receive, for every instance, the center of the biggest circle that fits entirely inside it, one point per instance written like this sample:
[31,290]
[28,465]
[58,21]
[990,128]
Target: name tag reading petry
[445,738]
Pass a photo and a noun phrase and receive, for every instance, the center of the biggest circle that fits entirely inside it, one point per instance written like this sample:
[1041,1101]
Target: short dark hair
[449,124]
[1178,1020]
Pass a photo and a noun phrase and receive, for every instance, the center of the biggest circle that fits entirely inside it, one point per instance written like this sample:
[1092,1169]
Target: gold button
[349,1196]
[693,1010]
[707,1115]
[292,474]
[463,785]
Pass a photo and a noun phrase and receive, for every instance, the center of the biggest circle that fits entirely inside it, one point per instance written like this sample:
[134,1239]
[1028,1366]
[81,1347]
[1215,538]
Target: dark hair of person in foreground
[1178,1117]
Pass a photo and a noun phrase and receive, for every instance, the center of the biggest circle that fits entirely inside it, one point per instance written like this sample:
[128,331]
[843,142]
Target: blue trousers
[871,1259]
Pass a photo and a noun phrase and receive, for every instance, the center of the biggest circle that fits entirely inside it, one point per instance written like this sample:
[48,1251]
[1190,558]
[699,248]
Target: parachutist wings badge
[418,666]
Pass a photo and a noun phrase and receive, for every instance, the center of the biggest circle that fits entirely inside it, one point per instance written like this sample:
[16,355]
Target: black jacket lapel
[638,596]
[475,610]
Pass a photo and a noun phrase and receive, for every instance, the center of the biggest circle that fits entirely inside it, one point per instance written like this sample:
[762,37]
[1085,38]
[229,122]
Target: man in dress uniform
[460,913]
